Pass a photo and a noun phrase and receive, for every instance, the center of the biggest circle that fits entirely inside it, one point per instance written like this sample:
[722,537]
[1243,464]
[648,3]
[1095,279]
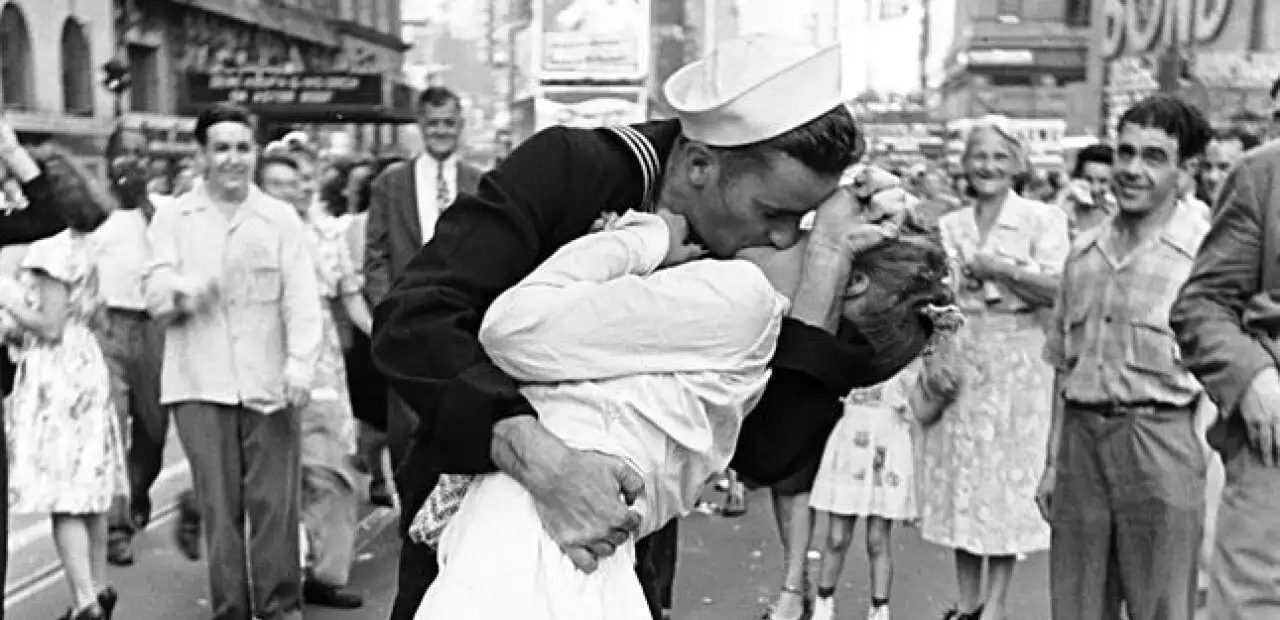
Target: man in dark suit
[41,218]
[406,203]
[1227,320]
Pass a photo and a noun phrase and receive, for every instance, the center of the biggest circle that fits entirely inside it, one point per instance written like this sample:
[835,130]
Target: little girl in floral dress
[868,467]
[65,452]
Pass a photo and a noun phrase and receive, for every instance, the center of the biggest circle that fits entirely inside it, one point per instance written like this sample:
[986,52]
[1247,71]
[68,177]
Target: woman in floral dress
[330,497]
[982,462]
[66,457]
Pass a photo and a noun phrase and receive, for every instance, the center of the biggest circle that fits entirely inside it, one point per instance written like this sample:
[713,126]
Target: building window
[1008,11]
[15,49]
[144,93]
[1078,13]
[77,70]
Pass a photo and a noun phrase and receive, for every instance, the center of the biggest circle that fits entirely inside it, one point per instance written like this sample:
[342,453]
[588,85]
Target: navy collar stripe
[645,155]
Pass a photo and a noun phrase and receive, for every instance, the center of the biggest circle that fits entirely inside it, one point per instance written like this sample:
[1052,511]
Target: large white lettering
[1139,26]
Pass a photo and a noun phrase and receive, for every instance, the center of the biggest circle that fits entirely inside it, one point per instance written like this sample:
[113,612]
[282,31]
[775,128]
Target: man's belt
[130,313]
[1120,410]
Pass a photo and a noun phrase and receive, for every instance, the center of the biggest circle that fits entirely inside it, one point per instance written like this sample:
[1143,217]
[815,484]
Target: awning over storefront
[286,20]
[328,97]
[372,35]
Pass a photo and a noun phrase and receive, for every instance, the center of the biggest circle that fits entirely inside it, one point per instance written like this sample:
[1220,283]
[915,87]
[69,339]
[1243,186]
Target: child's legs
[81,543]
[838,538]
[880,556]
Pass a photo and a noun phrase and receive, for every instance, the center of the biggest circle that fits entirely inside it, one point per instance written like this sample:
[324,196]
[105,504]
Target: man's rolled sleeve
[1209,314]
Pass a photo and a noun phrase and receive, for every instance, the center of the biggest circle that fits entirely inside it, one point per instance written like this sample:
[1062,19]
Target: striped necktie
[443,197]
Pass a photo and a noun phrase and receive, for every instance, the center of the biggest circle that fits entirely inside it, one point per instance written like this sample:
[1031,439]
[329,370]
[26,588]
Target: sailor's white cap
[754,88]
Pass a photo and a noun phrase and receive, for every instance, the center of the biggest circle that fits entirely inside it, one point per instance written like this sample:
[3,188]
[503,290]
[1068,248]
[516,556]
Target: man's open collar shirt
[263,328]
[1110,333]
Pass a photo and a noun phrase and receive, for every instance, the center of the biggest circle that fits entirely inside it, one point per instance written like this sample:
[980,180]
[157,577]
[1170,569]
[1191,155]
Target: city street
[728,570]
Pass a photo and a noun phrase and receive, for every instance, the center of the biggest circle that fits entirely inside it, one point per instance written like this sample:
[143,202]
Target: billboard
[591,39]
[588,107]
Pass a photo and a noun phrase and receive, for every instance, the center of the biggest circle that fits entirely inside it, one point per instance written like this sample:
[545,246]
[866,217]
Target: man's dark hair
[115,142]
[221,113]
[1093,154]
[827,145]
[81,202]
[438,96]
[273,159]
[1185,122]
[1275,88]
[1233,134]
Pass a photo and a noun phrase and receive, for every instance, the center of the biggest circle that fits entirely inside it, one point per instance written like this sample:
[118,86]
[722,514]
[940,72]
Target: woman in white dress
[630,360]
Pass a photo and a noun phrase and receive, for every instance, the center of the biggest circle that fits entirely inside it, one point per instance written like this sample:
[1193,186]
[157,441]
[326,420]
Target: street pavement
[729,569]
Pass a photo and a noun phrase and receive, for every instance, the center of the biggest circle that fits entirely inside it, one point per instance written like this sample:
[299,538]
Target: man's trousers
[1244,577]
[1127,513]
[133,346]
[246,467]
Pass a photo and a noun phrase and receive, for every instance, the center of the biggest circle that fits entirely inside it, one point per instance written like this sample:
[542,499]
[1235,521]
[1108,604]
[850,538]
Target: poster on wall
[592,39]
[589,107]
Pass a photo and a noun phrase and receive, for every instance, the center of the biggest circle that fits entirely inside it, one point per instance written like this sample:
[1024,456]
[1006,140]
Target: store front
[286,100]
[1227,54]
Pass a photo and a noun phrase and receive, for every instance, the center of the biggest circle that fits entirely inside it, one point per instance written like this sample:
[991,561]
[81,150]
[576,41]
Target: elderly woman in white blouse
[982,461]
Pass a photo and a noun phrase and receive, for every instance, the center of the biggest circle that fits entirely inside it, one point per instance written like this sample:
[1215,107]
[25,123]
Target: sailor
[761,138]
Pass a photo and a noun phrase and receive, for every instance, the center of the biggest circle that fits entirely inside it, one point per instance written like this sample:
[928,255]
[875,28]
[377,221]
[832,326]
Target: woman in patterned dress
[330,497]
[65,448]
[982,462]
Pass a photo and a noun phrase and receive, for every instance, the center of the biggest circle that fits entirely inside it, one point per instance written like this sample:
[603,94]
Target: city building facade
[65,39]
[1223,55]
[1024,59]
[184,55]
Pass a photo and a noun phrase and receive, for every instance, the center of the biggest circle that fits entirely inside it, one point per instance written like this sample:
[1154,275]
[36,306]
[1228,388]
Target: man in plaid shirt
[1123,487]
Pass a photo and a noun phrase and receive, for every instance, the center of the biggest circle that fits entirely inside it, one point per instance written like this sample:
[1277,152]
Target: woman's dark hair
[221,113]
[907,274]
[1094,153]
[273,159]
[82,202]
[1181,120]
[364,191]
[827,145]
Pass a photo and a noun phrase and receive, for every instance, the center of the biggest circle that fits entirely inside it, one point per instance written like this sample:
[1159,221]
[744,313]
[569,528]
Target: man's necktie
[442,188]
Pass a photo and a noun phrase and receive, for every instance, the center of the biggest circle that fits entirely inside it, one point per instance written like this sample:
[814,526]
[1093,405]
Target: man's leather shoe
[120,551]
[379,495]
[321,595]
[188,530]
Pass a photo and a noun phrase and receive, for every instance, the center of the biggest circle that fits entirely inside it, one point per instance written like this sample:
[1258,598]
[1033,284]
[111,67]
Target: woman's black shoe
[107,600]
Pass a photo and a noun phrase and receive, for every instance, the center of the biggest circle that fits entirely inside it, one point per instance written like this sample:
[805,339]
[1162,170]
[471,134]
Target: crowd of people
[559,355]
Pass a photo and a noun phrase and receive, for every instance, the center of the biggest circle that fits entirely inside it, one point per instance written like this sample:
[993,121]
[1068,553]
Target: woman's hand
[679,250]
[988,266]
[1044,492]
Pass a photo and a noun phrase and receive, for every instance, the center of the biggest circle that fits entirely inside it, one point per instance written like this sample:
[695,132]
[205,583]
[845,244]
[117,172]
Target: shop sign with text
[592,39]
[589,107]
[274,89]
[1140,26]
